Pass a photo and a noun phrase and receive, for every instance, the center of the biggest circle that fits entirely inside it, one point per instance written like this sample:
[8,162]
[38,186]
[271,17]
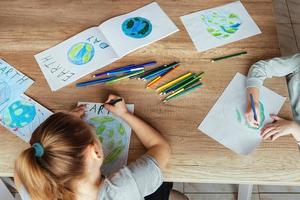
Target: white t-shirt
[133,182]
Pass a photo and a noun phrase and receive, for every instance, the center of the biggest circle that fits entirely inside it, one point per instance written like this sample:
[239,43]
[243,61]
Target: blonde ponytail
[50,175]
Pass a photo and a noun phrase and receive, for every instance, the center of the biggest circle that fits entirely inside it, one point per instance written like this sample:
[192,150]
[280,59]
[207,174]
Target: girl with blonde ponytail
[64,160]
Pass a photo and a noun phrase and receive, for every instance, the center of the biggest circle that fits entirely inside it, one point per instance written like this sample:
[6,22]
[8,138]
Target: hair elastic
[39,149]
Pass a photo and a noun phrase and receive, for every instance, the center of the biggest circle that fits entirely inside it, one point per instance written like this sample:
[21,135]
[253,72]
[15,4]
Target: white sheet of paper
[23,116]
[225,122]
[151,17]
[13,83]
[75,58]
[114,134]
[219,26]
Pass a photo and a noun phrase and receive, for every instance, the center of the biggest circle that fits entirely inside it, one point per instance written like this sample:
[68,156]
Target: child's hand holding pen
[119,108]
[253,112]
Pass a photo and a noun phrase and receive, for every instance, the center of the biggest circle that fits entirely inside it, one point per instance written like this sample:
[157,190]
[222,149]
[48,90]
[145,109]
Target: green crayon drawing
[242,120]
[221,24]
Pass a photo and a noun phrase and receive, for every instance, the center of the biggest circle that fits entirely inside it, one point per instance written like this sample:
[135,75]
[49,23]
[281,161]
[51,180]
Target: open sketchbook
[99,46]
[114,134]
[232,129]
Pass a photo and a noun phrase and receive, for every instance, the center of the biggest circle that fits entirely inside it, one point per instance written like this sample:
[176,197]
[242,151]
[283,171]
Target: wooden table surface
[29,27]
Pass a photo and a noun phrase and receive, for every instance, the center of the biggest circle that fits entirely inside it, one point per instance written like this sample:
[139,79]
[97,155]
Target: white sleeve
[277,67]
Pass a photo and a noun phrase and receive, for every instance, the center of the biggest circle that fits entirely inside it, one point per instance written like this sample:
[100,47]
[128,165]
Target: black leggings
[162,193]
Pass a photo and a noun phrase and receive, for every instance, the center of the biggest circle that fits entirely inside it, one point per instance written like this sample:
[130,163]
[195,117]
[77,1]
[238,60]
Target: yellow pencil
[174,81]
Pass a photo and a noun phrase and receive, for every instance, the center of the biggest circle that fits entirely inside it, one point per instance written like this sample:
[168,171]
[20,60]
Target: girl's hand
[250,115]
[78,111]
[280,127]
[119,109]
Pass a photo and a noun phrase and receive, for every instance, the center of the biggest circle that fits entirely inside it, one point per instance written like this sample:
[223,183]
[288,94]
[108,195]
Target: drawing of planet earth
[221,24]
[242,120]
[19,114]
[81,53]
[5,92]
[137,27]
[112,135]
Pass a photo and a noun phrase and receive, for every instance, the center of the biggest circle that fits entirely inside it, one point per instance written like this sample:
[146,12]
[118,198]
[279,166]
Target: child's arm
[155,144]
[280,128]
[261,70]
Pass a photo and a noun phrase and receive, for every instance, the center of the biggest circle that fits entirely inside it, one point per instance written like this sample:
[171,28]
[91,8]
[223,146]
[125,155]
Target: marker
[184,76]
[125,71]
[228,56]
[93,82]
[159,78]
[182,92]
[253,107]
[124,77]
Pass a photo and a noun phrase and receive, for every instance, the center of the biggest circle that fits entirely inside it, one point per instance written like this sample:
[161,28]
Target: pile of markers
[181,85]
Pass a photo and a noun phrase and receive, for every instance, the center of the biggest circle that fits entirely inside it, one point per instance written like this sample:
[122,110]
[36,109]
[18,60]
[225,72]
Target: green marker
[124,77]
[228,56]
[183,92]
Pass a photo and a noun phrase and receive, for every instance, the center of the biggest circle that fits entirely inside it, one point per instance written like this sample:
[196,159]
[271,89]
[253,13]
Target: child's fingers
[111,97]
[108,107]
[267,130]
[275,117]
[277,135]
[270,133]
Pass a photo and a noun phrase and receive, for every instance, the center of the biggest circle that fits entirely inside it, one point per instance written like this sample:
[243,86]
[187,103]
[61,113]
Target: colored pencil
[93,82]
[125,71]
[156,74]
[156,70]
[166,69]
[228,56]
[128,67]
[168,84]
[124,77]
[182,92]
[159,78]
[181,83]
[253,107]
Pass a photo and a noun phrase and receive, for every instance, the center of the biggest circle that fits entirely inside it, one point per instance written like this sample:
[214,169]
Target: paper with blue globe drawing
[13,83]
[232,130]
[97,47]
[113,133]
[23,116]
[219,26]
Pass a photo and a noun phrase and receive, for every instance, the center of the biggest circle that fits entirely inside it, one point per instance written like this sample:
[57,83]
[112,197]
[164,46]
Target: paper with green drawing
[114,134]
[219,26]
[232,130]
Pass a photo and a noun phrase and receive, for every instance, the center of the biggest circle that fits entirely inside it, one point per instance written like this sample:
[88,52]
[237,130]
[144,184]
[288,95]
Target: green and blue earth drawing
[19,114]
[5,92]
[81,53]
[242,120]
[137,27]
[114,138]
[221,24]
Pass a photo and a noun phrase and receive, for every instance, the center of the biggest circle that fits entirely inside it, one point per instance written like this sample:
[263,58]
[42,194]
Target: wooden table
[33,26]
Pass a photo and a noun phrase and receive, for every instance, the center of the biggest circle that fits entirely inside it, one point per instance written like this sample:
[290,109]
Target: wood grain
[31,27]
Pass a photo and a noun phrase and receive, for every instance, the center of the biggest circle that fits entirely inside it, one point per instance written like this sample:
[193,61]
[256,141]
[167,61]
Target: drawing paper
[113,133]
[23,116]
[12,83]
[226,123]
[219,26]
[97,47]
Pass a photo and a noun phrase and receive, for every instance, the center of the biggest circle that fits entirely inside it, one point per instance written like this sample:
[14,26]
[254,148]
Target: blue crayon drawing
[81,53]
[19,114]
[221,24]
[137,27]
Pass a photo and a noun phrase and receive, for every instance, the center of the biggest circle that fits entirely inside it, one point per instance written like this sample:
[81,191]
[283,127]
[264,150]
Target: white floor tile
[178,186]
[277,188]
[209,188]
[279,196]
